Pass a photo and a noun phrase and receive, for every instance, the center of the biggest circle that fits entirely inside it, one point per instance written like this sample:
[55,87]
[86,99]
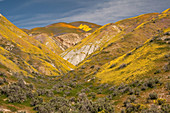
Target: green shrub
[92,94]
[150,83]
[161,101]
[123,111]
[122,66]
[132,98]
[126,102]
[1,82]
[16,92]
[167,85]
[167,67]
[92,66]
[131,91]
[165,108]
[153,96]
[113,65]
[157,71]
[137,92]
[36,101]
[143,87]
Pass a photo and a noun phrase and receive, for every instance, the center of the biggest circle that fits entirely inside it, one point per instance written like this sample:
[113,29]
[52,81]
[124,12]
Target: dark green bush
[167,67]
[150,83]
[1,82]
[92,94]
[122,66]
[153,96]
[35,101]
[92,66]
[132,98]
[165,108]
[167,85]
[113,65]
[161,101]
[143,87]
[17,92]
[131,91]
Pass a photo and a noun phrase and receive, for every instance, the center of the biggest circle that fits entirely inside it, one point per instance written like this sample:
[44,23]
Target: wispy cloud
[101,12]
[28,3]
[115,10]
[1,0]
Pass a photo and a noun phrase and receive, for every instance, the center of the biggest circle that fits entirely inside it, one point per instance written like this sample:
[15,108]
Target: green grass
[2,66]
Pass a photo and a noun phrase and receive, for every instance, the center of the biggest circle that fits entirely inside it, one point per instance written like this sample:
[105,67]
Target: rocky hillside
[101,38]
[22,54]
[64,35]
[112,40]
[49,42]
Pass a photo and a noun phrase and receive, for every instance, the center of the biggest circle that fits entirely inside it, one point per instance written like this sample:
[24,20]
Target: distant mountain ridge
[64,34]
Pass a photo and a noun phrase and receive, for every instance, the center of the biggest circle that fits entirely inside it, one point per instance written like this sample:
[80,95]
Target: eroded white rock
[46,43]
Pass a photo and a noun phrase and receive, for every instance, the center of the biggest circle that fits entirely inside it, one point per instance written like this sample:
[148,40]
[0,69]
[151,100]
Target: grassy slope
[30,49]
[108,34]
[141,62]
[133,35]
[49,42]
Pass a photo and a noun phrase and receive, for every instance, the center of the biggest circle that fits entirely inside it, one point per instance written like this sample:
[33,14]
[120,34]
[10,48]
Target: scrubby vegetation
[72,95]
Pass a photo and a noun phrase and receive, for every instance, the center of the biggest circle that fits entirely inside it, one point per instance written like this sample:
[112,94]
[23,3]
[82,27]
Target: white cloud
[1,0]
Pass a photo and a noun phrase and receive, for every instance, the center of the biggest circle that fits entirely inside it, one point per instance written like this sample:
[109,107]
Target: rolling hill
[121,67]
[104,36]
[21,53]
[65,35]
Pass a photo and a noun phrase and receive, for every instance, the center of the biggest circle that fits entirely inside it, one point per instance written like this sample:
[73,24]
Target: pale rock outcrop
[78,55]
[93,42]
[69,39]
[4,110]
[117,28]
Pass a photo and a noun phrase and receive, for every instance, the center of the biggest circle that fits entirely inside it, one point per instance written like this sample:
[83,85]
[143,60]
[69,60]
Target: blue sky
[36,13]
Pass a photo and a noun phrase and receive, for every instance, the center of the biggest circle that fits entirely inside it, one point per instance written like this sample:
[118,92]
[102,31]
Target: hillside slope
[135,32]
[65,35]
[27,55]
[107,35]
[149,58]
[49,42]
